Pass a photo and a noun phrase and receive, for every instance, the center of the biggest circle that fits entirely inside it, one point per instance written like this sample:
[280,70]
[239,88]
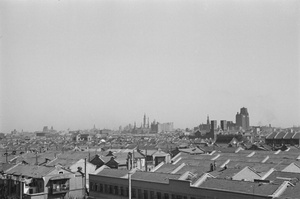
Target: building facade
[150,185]
[223,125]
[242,119]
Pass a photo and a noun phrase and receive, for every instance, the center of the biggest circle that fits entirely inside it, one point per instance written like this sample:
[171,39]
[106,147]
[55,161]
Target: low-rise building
[41,182]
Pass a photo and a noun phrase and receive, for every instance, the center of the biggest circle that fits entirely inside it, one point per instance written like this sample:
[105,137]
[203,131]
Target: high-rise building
[144,122]
[214,124]
[223,125]
[205,127]
[242,119]
[162,127]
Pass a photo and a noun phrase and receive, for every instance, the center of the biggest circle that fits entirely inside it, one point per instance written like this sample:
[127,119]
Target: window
[96,187]
[59,186]
[193,198]
[122,191]
[110,189]
[133,193]
[158,195]
[139,193]
[166,196]
[178,197]
[106,188]
[145,194]
[116,190]
[101,188]
[151,194]
[127,191]
[173,196]
[91,185]
[185,197]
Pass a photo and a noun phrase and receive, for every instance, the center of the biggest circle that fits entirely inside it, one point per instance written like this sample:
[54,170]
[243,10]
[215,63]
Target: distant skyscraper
[45,129]
[223,125]
[144,122]
[214,124]
[205,127]
[242,119]
[162,127]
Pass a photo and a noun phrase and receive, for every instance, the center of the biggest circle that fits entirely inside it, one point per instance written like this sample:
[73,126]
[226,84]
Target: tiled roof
[62,162]
[74,155]
[225,173]
[271,135]
[280,135]
[5,166]
[287,175]
[117,173]
[144,176]
[199,170]
[166,168]
[154,177]
[195,150]
[30,171]
[292,192]
[240,186]
[296,135]
[288,135]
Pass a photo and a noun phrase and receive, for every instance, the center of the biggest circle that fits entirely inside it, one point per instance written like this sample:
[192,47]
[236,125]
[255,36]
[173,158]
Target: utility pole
[129,182]
[21,189]
[84,177]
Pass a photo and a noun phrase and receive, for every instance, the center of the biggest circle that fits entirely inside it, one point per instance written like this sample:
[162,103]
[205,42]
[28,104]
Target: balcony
[60,188]
[35,196]
[60,184]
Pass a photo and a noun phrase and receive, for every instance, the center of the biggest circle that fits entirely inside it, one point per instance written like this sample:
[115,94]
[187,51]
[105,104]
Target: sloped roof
[30,171]
[154,177]
[283,175]
[5,166]
[240,186]
[194,150]
[225,173]
[292,192]
[280,135]
[117,173]
[271,135]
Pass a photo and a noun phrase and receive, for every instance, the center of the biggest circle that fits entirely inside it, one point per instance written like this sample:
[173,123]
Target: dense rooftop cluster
[263,164]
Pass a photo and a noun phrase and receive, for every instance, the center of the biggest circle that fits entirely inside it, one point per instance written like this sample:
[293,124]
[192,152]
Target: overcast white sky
[73,64]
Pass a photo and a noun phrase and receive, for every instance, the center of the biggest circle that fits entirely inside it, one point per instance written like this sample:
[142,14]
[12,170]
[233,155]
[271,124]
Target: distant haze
[73,64]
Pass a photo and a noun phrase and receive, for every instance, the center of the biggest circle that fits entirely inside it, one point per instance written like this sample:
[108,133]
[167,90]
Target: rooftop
[240,186]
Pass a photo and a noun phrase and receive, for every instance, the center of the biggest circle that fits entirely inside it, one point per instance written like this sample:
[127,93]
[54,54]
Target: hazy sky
[73,64]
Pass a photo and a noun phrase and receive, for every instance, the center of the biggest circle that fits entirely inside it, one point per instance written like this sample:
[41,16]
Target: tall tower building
[223,125]
[242,119]
[214,124]
[148,126]
[144,124]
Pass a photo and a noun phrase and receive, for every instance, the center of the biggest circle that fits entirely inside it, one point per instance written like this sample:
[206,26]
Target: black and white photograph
[149,99]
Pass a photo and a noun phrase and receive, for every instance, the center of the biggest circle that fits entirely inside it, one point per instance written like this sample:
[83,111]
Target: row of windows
[135,193]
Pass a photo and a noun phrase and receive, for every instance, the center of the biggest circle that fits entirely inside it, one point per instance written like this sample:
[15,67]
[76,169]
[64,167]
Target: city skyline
[140,124]
[73,64]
